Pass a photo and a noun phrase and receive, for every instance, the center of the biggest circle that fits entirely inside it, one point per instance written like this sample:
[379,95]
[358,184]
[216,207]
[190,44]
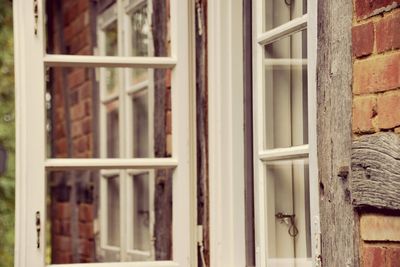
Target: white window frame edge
[262,37]
[26,41]
[226,135]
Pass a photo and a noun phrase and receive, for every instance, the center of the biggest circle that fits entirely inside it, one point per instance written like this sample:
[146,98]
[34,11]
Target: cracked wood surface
[376,171]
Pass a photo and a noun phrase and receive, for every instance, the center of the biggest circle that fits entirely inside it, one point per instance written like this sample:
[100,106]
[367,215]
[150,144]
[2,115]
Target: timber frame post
[339,222]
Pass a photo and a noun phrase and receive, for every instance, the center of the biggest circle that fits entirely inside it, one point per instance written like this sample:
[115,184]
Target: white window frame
[262,155]
[32,164]
[126,146]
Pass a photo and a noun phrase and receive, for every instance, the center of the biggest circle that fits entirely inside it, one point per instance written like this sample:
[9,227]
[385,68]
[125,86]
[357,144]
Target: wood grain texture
[334,100]
[376,171]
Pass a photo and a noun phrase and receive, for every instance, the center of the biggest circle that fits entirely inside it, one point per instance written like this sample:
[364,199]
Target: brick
[62,210]
[62,243]
[363,39]
[393,257]
[364,110]
[60,257]
[373,256]
[81,145]
[85,247]
[86,126]
[86,230]
[78,111]
[388,108]
[76,129]
[61,227]
[376,74]
[76,77]
[377,227]
[367,8]
[388,33]
[86,213]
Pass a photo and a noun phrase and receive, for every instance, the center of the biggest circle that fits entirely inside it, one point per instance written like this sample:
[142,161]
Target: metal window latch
[36,15]
[38,229]
[289,220]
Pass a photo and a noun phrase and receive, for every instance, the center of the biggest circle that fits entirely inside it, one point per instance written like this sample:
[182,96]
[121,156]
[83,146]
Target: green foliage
[7,135]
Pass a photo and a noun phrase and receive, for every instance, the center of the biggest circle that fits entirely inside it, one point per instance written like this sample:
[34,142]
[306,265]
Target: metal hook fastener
[288,2]
[38,229]
[289,220]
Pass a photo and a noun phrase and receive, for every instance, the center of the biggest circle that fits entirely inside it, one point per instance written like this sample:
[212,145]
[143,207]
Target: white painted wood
[226,163]
[290,27]
[108,61]
[265,187]
[139,163]
[122,264]
[183,213]
[30,134]
[285,62]
[312,128]
[284,153]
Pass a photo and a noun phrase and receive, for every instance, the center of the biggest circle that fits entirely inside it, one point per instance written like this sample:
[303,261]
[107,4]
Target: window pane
[83,121]
[113,211]
[82,27]
[288,210]
[278,12]
[87,223]
[140,105]
[141,240]
[285,93]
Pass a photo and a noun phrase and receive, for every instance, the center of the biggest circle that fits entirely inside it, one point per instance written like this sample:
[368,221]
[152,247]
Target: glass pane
[140,105]
[85,122]
[288,212]
[285,93]
[108,216]
[278,12]
[91,28]
[141,240]
[113,211]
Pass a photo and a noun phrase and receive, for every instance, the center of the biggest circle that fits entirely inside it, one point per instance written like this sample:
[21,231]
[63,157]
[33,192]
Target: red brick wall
[376,107]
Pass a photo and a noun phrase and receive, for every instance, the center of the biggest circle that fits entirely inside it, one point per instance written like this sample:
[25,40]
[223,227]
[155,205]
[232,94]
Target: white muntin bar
[295,152]
[285,62]
[290,27]
[116,163]
[108,61]
[122,264]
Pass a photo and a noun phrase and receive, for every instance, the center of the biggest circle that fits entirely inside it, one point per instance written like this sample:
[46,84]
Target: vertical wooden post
[334,99]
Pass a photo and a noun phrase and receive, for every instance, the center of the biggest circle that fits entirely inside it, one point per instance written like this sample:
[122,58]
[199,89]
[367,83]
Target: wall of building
[376,108]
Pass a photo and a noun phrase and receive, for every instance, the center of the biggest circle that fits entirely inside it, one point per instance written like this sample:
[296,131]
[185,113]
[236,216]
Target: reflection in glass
[108,216]
[83,122]
[288,210]
[76,27]
[278,12]
[113,211]
[285,69]
[140,124]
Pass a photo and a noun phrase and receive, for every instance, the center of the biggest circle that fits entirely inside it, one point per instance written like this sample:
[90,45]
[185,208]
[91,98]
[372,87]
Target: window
[114,143]
[137,142]
[285,181]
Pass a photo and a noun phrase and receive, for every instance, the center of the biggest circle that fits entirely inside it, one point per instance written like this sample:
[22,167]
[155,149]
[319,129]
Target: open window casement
[286,200]
[103,103]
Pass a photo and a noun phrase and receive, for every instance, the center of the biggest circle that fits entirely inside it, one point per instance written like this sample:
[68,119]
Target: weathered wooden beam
[338,221]
[376,171]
